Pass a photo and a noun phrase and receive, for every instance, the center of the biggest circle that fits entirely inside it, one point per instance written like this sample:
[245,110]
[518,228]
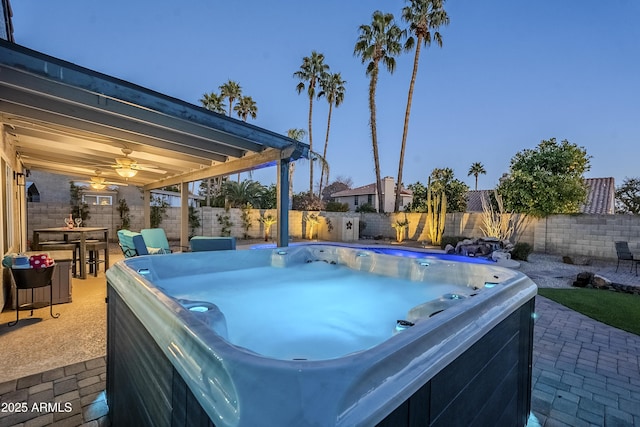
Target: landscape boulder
[583,279]
[600,282]
[576,260]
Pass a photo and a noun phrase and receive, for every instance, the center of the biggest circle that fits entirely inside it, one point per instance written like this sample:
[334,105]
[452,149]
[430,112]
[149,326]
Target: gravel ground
[548,271]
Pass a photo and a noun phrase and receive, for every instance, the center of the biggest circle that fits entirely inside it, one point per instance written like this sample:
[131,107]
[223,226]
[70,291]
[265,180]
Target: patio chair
[132,243]
[156,238]
[624,254]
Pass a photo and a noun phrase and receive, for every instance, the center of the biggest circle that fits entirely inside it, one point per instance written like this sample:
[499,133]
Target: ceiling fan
[127,167]
[98,182]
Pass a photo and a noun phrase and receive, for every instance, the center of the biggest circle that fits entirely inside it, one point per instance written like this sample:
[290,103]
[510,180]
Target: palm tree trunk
[292,166]
[324,152]
[374,134]
[406,124]
[476,182]
[310,146]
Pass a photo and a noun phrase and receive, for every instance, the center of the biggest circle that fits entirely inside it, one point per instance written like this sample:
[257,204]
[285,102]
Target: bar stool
[94,248]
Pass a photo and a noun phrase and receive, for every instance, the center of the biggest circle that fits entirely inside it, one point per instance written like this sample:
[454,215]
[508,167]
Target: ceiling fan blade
[106,183]
[153,169]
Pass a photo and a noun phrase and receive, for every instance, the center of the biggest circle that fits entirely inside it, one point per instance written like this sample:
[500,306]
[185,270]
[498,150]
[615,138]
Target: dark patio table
[82,232]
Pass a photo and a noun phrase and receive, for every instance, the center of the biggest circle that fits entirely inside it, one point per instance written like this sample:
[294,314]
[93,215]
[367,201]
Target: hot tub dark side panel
[143,388]
[489,384]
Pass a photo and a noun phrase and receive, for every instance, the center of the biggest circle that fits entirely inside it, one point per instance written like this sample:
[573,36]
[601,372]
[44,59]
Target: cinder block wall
[456,224]
[587,235]
[584,235]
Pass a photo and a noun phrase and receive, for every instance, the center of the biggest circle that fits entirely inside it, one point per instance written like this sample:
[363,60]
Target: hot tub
[317,335]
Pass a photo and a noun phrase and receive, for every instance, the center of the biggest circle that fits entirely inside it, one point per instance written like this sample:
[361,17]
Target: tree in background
[476,169]
[79,209]
[339,184]
[443,180]
[422,16]
[306,201]
[378,42]
[213,102]
[211,189]
[238,194]
[194,221]
[333,90]
[298,135]
[628,196]
[230,90]
[440,181]
[546,180]
[246,107]
[419,202]
[125,218]
[269,199]
[312,71]
[159,208]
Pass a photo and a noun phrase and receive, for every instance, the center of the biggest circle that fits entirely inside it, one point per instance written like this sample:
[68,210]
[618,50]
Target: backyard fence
[582,235]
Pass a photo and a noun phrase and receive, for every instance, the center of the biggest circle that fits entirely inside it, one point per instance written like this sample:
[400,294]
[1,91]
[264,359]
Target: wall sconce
[20,178]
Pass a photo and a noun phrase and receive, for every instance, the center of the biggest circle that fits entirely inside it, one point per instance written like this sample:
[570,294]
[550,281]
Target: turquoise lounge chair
[156,240]
[132,243]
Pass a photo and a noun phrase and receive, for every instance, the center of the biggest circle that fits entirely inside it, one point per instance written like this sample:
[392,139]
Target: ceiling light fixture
[97,186]
[126,172]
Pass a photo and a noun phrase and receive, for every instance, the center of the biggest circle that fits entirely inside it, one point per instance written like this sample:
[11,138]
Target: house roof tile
[365,190]
[600,197]
[601,194]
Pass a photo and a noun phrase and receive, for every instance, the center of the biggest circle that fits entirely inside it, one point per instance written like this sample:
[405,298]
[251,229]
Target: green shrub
[366,208]
[451,240]
[336,207]
[521,251]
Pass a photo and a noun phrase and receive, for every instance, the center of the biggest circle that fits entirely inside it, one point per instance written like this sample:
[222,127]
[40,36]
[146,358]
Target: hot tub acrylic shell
[236,387]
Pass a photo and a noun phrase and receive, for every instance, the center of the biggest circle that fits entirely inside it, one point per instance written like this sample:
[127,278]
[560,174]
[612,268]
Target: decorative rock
[600,282]
[583,280]
[449,249]
[497,255]
[576,260]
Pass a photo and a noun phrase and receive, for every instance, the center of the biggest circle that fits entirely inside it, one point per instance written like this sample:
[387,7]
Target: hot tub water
[317,311]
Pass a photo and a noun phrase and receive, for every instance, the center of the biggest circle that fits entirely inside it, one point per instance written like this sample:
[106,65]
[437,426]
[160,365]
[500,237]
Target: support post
[184,215]
[282,190]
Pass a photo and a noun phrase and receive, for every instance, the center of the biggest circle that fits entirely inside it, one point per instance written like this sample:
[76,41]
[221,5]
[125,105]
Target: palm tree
[333,90]
[213,102]
[232,91]
[312,71]
[239,194]
[246,107]
[422,16]
[298,135]
[476,169]
[380,41]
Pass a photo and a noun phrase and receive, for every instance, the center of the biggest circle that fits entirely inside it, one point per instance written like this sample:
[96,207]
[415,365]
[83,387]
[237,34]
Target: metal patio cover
[66,119]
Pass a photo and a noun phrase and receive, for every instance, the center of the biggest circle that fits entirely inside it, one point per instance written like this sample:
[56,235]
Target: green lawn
[617,309]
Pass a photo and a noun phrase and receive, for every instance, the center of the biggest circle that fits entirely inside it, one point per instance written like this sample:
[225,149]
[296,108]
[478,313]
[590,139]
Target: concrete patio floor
[585,373]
